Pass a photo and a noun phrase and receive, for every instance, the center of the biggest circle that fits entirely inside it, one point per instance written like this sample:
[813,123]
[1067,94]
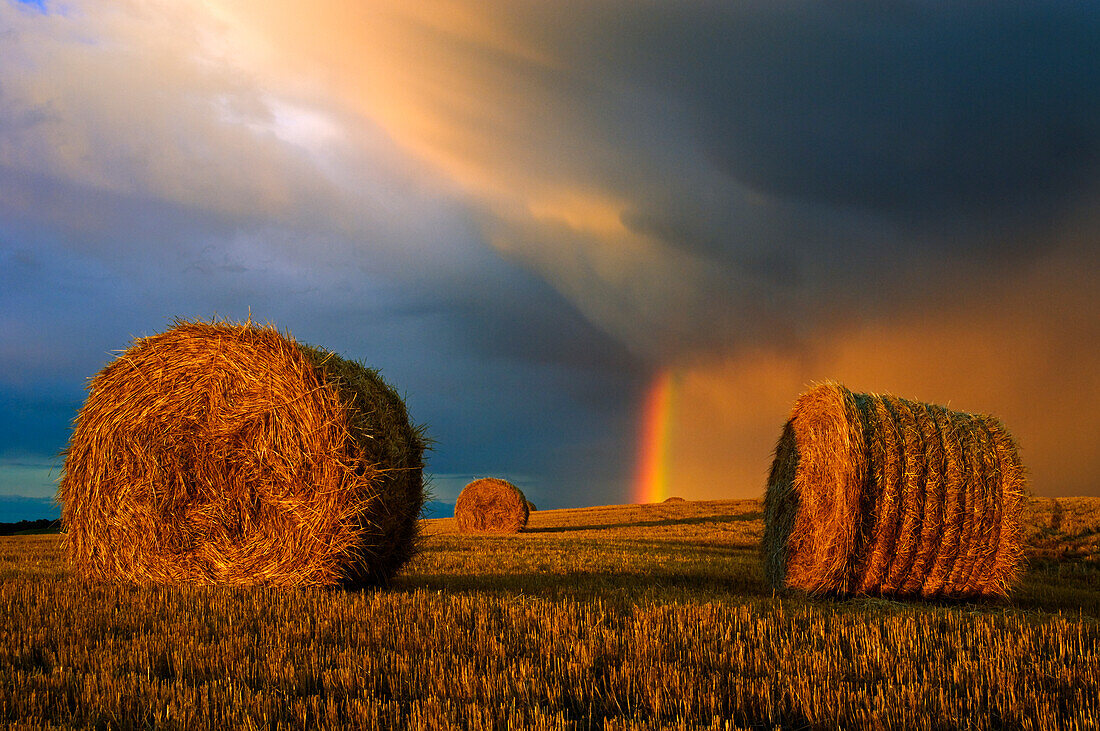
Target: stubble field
[647,617]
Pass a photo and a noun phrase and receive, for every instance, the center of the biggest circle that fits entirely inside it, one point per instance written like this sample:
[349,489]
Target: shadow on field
[726,571]
[750,549]
[591,584]
[741,518]
[1070,585]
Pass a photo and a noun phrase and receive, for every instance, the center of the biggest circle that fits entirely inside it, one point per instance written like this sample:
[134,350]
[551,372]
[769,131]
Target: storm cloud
[522,211]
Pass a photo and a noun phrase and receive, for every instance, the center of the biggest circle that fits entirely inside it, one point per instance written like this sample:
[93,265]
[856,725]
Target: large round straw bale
[228,453]
[873,494]
[490,505]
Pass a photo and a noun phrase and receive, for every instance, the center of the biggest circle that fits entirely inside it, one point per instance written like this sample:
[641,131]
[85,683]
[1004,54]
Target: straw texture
[490,505]
[879,495]
[230,454]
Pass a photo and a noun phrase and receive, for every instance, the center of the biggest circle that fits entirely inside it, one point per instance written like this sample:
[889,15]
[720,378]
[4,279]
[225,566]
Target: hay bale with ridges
[912,509]
[491,505]
[879,495]
[229,453]
[932,510]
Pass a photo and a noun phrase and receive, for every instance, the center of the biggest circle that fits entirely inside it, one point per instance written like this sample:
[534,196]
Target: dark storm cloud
[923,111]
[838,145]
[871,157]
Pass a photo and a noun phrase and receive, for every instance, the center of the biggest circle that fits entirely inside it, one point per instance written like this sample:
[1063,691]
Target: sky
[600,246]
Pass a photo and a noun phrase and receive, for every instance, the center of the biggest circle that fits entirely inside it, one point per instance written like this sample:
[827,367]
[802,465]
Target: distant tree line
[43,525]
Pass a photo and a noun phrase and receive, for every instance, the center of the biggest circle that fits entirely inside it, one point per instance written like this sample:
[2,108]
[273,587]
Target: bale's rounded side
[887,456]
[911,506]
[932,508]
[392,449]
[222,453]
[491,505]
[954,514]
[879,495]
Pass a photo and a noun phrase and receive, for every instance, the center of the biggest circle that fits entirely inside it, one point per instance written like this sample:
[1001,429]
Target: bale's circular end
[814,489]
[490,505]
[874,494]
[228,453]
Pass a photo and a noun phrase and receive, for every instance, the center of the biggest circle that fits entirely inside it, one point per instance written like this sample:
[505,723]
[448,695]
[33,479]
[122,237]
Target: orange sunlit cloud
[442,78]
[1003,357]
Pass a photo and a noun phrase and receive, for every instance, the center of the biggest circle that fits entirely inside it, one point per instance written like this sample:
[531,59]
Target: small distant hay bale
[490,505]
[878,495]
[225,453]
[674,499]
[531,507]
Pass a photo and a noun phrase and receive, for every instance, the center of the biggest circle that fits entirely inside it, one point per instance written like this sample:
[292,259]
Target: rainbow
[651,484]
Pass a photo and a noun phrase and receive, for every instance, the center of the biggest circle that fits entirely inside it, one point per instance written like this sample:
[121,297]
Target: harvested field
[651,617]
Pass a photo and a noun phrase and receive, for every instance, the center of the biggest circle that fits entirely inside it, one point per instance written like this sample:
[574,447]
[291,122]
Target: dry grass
[1062,528]
[878,495]
[222,453]
[490,505]
[630,617]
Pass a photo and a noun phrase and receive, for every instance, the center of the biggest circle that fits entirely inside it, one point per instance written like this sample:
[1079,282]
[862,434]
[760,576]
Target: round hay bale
[490,505]
[674,499]
[228,453]
[531,507]
[879,495]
